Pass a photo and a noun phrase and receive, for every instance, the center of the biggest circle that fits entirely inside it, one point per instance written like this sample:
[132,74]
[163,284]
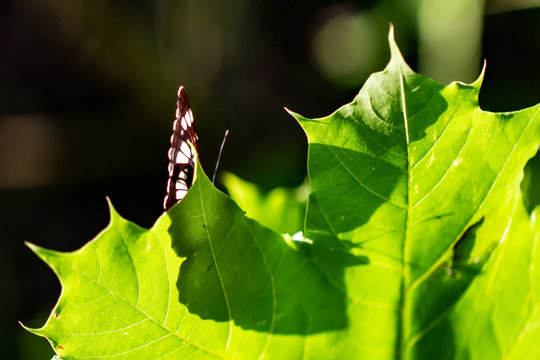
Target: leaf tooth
[50,257]
[396,58]
[478,82]
[475,85]
[35,331]
[114,215]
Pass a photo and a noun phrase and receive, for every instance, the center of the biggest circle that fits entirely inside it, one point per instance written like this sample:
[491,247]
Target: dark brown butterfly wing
[181,157]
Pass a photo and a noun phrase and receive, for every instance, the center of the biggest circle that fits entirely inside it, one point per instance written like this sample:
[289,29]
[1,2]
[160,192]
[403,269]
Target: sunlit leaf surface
[417,246]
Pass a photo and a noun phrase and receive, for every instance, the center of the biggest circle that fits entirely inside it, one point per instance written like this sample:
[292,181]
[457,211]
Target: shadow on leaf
[236,269]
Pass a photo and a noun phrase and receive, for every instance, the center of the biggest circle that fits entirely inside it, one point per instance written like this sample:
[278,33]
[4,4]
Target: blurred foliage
[87,98]
[448,52]
[281,209]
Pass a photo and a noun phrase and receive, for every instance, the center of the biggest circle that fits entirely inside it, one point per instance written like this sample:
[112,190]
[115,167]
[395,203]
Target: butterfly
[184,144]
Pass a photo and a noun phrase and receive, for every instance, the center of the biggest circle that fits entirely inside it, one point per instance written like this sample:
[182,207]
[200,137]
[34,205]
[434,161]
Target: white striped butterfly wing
[181,157]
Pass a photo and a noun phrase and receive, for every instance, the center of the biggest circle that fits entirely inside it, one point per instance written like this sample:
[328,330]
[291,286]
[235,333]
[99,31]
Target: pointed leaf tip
[478,82]
[199,170]
[49,257]
[395,53]
[35,331]
[32,247]
[396,57]
[113,214]
[299,118]
[292,113]
[29,329]
[391,34]
[41,252]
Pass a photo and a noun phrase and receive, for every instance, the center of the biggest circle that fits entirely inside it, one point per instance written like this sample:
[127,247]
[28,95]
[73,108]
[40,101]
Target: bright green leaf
[398,176]
[281,209]
[418,246]
[205,281]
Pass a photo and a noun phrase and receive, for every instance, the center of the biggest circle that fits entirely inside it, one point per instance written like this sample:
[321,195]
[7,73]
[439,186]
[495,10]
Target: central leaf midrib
[222,284]
[403,318]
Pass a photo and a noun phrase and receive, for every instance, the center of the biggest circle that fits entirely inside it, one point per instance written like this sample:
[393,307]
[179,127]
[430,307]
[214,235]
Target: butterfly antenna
[219,156]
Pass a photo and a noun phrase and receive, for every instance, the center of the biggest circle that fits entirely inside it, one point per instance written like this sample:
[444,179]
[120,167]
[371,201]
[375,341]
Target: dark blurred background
[88,95]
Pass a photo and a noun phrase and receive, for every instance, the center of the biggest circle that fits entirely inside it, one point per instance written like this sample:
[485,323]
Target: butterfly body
[184,148]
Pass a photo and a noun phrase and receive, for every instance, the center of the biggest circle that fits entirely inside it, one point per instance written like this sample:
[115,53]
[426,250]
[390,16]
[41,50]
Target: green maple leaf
[418,246]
